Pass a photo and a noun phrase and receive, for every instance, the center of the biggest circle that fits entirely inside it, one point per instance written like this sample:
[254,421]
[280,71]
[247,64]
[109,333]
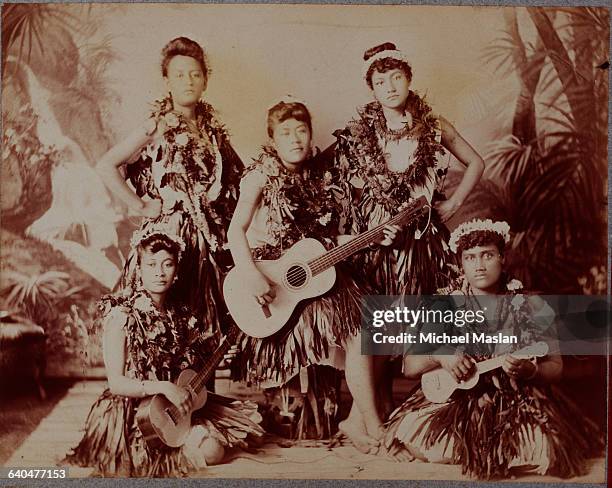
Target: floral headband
[146,233]
[501,228]
[389,53]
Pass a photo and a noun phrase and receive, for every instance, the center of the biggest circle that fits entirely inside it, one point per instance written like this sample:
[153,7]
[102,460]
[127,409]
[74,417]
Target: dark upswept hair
[158,242]
[480,238]
[385,64]
[183,46]
[284,111]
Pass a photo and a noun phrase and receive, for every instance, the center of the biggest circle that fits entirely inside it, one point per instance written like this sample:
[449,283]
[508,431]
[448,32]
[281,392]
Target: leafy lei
[160,343]
[359,144]
[514,307]
[300,204]
[192,163]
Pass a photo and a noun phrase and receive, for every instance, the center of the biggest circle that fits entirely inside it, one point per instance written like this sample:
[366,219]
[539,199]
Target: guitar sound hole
[296,276]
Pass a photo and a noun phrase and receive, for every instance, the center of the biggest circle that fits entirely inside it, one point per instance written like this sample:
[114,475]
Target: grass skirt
[318,328]
[498,425]
[410,266]
[114,446]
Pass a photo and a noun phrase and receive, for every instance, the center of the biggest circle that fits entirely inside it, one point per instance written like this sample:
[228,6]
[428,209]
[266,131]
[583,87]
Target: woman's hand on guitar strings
[258,286]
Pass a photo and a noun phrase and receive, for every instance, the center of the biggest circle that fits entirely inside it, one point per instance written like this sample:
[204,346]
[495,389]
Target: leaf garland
[300,204]
[159,342]
[359,143]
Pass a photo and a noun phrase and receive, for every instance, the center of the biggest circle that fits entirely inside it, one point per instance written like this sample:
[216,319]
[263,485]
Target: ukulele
[160,421]
[305,271]
[438,385]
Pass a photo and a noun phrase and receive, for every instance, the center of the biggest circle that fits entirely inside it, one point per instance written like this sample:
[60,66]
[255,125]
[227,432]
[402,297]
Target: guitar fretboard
[340,253]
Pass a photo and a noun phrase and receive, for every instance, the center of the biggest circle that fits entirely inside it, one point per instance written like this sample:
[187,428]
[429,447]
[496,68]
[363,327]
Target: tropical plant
[39,296]
[25,26]
[554,161]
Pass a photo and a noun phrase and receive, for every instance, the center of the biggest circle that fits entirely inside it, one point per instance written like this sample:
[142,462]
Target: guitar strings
[341,252]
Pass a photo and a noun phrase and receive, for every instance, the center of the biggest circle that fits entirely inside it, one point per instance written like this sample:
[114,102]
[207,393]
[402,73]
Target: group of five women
[199,203]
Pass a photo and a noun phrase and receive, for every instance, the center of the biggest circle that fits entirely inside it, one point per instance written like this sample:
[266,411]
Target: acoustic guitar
[305,271]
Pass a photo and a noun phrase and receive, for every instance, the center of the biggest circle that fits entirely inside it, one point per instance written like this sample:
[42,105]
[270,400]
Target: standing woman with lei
[394,147]
[285,197]
[148,341]
[186,177]
[513,418]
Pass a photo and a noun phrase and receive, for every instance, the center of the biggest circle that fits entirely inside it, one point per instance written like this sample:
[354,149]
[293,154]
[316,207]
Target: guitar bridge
[266,311]
[170,414]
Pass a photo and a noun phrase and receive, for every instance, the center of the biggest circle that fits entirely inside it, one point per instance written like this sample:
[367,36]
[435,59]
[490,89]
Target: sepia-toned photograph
[214,218]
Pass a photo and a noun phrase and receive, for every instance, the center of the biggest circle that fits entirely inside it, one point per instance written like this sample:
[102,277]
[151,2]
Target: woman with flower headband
[390,154]
[186,176]
[513,418]
[148,341]
[285,197]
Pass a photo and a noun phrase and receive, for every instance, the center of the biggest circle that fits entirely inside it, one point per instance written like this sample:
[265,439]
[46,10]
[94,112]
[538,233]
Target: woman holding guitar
[285,197]
[513,417]
[148,342]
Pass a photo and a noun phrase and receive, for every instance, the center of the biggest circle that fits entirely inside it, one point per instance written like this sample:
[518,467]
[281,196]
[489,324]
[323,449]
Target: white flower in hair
[501,228]
[388,53]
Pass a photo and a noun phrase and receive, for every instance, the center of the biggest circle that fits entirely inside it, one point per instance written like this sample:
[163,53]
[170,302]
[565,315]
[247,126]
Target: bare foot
[360,439]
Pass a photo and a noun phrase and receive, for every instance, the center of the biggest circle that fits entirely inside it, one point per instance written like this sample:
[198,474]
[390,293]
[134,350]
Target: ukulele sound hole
[296,276]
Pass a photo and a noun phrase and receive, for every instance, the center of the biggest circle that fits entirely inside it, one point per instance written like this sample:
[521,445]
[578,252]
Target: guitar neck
[340,253]
[200,380]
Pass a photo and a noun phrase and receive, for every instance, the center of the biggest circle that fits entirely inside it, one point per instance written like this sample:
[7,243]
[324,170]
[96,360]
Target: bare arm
[466,155]
[415,365]
[113,343]
[114,359]
[256,284]
[108,168]
[250,197]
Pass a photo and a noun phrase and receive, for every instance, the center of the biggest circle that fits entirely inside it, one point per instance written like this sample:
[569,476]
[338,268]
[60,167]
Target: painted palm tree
[554,162]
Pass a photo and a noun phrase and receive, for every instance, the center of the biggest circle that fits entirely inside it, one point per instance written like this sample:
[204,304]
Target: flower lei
[301,204]
[192,162]
[158,342]
[360,142]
